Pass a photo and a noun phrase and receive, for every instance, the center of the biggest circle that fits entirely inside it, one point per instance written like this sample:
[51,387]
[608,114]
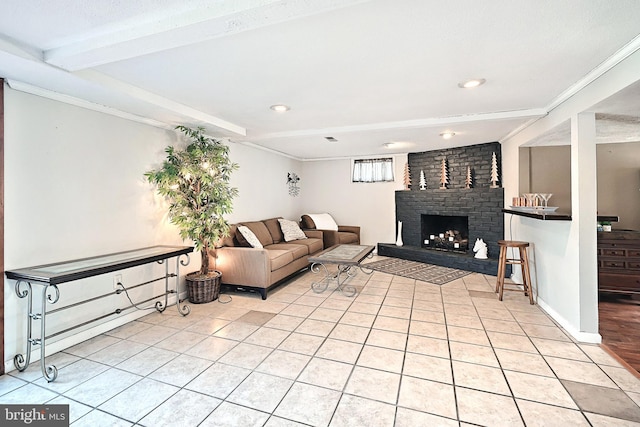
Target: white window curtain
[373,170]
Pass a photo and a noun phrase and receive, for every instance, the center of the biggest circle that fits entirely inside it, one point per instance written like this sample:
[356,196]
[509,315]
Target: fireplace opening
[445,232]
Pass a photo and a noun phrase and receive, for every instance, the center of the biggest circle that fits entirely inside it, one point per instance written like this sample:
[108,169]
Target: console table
[51,275]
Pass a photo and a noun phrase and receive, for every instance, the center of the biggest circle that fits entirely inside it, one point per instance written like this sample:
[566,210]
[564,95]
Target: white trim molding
[586,337]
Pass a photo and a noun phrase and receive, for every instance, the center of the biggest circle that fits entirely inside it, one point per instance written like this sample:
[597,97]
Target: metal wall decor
[292,181]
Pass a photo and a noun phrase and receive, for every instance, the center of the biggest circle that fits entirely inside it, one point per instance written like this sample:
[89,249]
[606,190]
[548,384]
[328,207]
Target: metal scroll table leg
[160,306]
[347,290]
[363,268]
[50,373]
[21,361]
[185,309]
[323,284]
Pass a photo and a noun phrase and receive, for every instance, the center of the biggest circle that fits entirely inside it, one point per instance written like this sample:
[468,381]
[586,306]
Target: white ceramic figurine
[480,248]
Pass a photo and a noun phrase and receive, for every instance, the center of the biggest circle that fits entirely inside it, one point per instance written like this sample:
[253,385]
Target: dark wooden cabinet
[619,262]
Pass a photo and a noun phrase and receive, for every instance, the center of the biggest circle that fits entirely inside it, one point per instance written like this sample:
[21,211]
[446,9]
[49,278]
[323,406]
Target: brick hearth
[445,259]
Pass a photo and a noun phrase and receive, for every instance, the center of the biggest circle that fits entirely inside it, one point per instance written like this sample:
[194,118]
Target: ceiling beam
[157,100]
[131,39]
[409,124]
[15,48]
[26,72]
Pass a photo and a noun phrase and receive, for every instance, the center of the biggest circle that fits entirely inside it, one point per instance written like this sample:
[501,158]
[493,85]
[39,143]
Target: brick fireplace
[478,208]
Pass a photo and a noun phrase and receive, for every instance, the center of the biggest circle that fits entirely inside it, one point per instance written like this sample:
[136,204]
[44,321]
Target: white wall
[262,184]
[561,248]
[74,188]
[618,183]
[327,187]
[550,170]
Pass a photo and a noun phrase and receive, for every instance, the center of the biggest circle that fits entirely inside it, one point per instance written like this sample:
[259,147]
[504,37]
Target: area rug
[417,270]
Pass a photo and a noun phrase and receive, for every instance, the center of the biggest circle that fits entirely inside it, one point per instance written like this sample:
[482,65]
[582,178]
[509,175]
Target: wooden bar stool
[523,260]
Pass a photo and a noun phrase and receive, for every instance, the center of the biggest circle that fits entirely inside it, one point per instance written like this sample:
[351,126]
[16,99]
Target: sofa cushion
[346,237]
[298,251]
[313,245]
[260,230]
[250,237]
[291,230]
[278,258]
[274,229]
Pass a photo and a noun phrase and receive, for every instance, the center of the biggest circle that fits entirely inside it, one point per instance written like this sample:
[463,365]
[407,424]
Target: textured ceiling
[364,72]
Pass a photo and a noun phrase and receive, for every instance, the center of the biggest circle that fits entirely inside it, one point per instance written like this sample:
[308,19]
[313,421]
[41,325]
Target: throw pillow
[260,230]
[324,221]
[291,230]
[240,238]
[250,237]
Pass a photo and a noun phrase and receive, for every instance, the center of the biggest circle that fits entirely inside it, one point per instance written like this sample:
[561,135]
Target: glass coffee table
[346,257]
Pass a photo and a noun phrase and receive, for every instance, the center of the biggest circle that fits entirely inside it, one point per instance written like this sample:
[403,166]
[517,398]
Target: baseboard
[586,337]
[70,341]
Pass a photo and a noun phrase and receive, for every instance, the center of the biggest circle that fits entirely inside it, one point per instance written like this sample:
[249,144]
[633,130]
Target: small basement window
[373,170]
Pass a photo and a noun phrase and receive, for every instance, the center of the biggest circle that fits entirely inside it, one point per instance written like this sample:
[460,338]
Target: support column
[584,204]
[1,226]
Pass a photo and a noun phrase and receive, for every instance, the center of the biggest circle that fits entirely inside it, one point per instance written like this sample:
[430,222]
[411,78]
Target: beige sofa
[257,270]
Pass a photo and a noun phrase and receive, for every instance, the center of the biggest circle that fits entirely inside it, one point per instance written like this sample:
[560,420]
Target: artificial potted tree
[195,182]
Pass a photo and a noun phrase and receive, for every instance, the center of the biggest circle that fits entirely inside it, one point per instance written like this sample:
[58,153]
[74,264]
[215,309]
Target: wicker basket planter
[201,290]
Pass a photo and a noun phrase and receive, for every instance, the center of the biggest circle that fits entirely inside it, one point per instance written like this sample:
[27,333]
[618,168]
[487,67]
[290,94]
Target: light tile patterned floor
[399,353]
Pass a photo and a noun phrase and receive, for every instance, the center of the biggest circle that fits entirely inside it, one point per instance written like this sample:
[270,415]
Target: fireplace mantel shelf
[542,216]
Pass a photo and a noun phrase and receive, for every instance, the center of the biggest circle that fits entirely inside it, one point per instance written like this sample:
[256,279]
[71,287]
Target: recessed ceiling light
[280,108]
[447,135]
[331,139]
[469,84]
[398,144]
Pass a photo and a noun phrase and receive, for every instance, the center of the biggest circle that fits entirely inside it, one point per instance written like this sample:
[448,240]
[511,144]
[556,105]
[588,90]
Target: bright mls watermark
[34,415]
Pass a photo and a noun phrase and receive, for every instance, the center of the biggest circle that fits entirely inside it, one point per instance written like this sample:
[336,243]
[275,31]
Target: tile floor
[399,353]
